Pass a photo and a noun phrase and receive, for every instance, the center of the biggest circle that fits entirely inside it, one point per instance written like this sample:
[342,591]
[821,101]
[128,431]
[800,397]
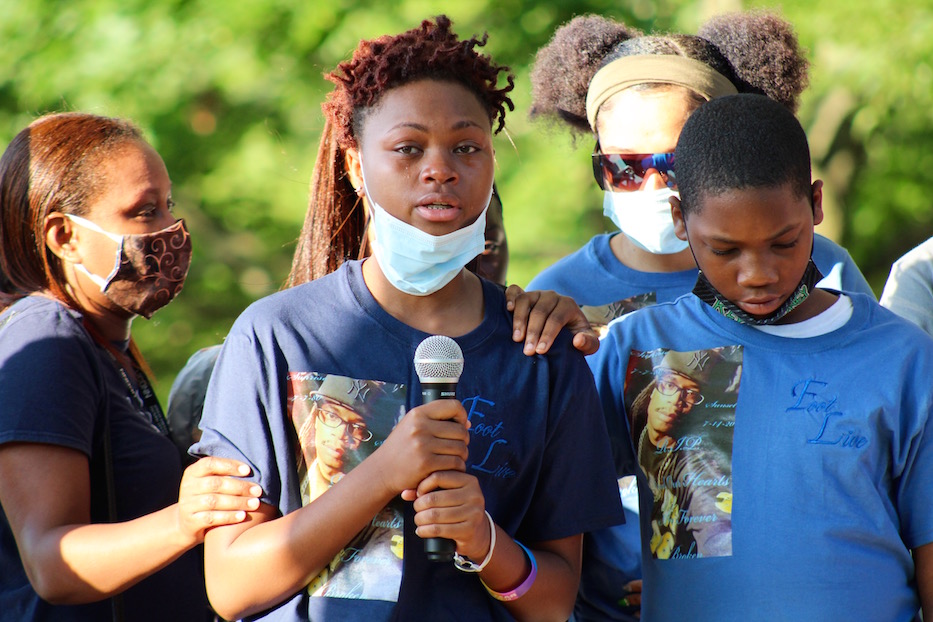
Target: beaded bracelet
[522,589]
[467,565]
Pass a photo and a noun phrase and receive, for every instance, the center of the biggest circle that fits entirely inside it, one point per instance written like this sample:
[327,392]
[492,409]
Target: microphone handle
[431,391]
[439,549]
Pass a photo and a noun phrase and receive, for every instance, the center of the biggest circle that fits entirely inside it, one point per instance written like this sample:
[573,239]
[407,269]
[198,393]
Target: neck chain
[141,394]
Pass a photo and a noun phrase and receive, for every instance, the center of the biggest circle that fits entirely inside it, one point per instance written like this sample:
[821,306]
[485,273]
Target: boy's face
[753,244]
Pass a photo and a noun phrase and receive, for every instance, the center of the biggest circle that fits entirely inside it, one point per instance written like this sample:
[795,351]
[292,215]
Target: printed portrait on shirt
[681,408]
[338,422]
[600,316]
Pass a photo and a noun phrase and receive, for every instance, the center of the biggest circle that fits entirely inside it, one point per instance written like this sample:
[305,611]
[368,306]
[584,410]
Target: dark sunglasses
[624,172]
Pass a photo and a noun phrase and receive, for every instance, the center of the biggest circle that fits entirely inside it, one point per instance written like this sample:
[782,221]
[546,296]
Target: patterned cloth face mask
[705,291]
[149,269]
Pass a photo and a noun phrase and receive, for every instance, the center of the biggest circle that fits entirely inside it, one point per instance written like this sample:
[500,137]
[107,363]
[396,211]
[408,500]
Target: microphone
[439,363]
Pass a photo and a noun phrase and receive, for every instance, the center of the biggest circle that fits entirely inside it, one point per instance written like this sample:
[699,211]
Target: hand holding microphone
[438,363]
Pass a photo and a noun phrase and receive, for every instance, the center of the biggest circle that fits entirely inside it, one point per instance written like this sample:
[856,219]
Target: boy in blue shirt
[806,448]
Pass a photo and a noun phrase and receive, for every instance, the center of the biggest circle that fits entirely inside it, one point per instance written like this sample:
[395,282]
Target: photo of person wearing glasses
[682,423]
[339,421]
[339,428]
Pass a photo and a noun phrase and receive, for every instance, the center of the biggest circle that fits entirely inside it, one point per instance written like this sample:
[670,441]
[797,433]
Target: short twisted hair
[431,51]
[739,142]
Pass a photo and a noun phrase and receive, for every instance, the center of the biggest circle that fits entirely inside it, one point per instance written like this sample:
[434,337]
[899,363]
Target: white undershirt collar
[829,320]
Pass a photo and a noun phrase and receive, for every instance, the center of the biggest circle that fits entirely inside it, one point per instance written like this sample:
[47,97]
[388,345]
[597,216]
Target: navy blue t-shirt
[56,385]
[538,441]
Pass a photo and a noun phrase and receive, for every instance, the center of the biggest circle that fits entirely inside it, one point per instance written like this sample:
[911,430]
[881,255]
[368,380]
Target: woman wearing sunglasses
[633,92]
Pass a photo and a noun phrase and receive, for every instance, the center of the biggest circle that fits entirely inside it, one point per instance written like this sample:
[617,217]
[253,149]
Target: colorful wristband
[467,565]
[522,589]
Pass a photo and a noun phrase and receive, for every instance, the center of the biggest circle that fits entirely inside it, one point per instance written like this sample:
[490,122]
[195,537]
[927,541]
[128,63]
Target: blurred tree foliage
[230,93]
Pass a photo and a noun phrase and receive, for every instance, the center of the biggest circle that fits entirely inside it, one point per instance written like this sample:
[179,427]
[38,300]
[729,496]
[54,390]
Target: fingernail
[252,503]
[529,348]
[243,469]
[240,516]
[517,335]
[542,347]
[255,491]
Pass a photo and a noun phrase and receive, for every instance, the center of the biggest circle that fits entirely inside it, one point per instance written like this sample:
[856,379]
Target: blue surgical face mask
[416,262]
[644,216]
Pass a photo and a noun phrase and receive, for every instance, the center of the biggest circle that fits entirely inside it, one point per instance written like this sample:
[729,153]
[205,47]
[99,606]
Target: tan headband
[648,69]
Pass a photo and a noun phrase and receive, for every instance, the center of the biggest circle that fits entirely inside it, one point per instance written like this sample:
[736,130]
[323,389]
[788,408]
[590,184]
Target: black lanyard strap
[142,395]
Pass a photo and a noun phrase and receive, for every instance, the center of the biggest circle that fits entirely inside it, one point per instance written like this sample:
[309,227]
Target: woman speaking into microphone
[408,138]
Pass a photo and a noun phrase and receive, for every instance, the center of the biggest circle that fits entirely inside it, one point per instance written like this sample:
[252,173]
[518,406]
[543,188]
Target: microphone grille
[439,358]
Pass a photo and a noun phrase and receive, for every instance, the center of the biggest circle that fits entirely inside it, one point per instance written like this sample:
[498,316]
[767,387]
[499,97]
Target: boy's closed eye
[730,250]
[722,252]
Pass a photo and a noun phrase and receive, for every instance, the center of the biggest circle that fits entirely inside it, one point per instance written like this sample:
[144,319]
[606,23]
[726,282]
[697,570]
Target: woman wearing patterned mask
[99,519]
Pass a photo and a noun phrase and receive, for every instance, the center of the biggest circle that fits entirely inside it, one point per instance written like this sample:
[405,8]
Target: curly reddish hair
[334,228]
[430,51]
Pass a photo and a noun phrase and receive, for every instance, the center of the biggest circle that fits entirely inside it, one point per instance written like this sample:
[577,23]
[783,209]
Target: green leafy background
[229,92]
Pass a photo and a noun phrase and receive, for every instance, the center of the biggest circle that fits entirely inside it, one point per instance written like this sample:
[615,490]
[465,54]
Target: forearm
[85,563]
[923,562]
[554,590]
[46,490]
[289,551]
